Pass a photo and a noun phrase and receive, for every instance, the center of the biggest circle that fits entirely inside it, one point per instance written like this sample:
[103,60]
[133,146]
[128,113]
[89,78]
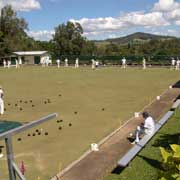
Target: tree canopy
[12,32]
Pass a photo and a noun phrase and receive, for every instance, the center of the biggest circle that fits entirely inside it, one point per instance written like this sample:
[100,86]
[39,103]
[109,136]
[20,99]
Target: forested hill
[138,37]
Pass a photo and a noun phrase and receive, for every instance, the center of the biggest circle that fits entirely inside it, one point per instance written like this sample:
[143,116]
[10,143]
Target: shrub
[171,163]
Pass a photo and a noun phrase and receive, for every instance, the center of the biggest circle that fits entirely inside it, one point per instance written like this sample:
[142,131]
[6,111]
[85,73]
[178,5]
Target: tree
[12,31]
[89,48]
[68,39]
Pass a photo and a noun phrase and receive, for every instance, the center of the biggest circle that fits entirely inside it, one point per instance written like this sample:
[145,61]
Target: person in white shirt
[20,62]
[93,63]
[123,63]
[8,63]
[147,128]
[66,62]
[144,63]
[47,61]
[173,63]
[1,101]
[4,63]
[177,64]
[58,62]
[76,63]
[17,64]
[97,64]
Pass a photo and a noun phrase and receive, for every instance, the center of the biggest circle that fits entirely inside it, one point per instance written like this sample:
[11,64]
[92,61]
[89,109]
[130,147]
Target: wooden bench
[125,160]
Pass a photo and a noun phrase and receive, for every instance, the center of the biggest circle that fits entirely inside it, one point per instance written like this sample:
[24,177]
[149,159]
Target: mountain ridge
[138,36]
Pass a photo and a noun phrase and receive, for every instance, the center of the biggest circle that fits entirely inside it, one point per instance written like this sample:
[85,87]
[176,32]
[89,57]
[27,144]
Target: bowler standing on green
[1,101]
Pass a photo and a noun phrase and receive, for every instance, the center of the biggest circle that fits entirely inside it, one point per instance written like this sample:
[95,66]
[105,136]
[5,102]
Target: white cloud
[166,5]
[21,5]
[128,20]
[164,13]
[42,35]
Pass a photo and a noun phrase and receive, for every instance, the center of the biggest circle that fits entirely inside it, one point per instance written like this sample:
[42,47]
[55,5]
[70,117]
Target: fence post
[10,157]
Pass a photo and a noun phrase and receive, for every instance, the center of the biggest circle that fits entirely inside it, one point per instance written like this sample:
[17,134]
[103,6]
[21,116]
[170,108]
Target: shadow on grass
[117,170]
[154,163]
[165,139]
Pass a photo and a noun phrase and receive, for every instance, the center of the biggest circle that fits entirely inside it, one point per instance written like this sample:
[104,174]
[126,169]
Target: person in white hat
[20,61]
[123,63]
[58,63]
[96,64]
[66,62]
[93,64]
[144,63]
[4,63]
[9,63]
[76,63]
[17,64]
[1,101]
[148,127]
[177,64]
[173,63]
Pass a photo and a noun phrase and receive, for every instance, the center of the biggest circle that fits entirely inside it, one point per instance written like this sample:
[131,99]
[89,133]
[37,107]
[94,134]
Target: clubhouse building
[31,57]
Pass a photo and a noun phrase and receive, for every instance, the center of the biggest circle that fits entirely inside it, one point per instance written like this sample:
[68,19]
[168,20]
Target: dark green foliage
[12,32]
[68,39]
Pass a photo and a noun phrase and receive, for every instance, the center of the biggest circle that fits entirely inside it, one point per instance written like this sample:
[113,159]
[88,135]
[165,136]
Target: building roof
[29,53]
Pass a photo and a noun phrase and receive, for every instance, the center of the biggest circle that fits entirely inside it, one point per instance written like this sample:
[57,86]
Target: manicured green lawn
[120,92]
[147,165]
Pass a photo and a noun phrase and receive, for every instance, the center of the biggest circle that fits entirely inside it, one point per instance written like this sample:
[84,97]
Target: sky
[100,19]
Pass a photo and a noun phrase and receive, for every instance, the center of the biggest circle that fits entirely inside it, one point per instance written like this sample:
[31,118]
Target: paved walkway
[97,164]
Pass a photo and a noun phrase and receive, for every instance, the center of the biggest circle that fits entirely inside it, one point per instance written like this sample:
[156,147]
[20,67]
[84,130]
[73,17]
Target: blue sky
[100,19]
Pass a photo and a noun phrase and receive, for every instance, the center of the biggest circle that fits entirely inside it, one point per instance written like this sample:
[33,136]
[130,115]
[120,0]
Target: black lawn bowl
[34,134]
[130,139]
[9,104]
[75,112]
[37,130]
[25,102]
[60,128]
[60,95]
[20,101]
[58,121]
[19,139]
[45,102]
[39,133]
[30,101]
[5,109]
[103,109]
[15,104]
[70,124]
[20,109]
[33,105]
[49,101]
[46,133]
[61,120]
[29,135]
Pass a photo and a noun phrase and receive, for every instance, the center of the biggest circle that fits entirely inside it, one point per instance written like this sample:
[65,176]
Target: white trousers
[76,65]
[1,106]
